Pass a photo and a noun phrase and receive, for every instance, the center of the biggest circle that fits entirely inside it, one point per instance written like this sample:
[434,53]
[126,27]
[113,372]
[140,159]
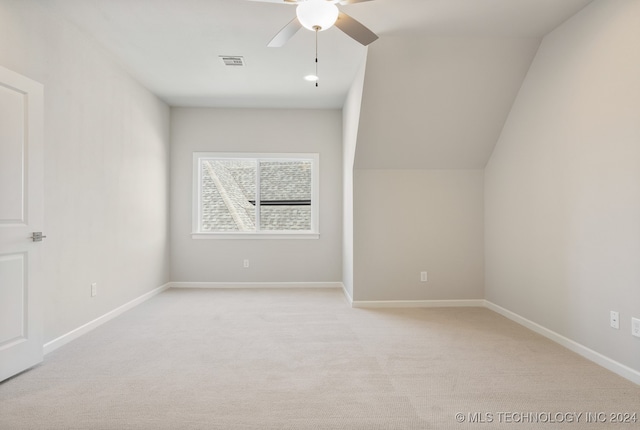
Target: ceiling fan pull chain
[317,78]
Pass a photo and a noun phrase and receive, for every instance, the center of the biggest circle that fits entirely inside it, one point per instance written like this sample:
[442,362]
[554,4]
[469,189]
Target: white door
[21,214]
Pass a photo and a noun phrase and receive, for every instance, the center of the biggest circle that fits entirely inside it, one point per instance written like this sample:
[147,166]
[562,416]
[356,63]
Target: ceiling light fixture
[311,78]
[317,15]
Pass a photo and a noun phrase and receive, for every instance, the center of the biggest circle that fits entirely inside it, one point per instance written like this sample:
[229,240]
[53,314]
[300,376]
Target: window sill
[259,236]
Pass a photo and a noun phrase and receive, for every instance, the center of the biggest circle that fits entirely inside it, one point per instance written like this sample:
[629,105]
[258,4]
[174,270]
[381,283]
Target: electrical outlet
[423,277]
[635,327]
[246,263]
[614,319]
[94,289]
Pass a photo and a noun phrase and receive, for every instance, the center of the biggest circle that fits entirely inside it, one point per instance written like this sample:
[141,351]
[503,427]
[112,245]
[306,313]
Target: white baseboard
[222,285]
[74,334]
[417,303]
[602,360]
[347,295]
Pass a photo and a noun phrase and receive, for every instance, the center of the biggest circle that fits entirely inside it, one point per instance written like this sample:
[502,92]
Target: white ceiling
[172,46]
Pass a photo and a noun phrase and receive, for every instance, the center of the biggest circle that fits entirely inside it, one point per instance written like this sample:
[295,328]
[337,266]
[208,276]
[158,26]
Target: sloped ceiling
[438,103]
[172,46]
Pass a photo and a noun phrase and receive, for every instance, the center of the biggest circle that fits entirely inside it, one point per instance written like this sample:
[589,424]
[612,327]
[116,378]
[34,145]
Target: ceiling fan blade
[285,34]
[343,2]
[355,30]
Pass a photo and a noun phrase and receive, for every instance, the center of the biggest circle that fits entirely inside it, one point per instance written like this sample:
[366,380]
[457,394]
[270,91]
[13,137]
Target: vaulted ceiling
[443,108]
[173,46]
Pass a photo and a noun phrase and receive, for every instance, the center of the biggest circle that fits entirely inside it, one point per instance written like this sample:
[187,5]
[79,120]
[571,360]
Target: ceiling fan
[319,15]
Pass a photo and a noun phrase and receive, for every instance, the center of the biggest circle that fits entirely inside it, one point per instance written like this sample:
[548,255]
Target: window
[255,195]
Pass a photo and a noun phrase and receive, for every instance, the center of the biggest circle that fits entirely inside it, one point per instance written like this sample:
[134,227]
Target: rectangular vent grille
[232,61]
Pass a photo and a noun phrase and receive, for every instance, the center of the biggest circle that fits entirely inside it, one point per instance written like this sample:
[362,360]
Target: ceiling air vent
[232,60]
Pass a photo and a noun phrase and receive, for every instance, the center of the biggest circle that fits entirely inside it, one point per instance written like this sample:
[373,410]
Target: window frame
[196,203]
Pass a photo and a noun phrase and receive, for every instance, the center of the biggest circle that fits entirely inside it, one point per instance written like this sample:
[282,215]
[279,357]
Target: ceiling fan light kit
[317,14]
[320,15]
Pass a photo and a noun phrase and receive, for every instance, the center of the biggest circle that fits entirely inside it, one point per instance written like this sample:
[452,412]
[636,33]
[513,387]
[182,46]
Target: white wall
[106,169]
[432,109]
[256,130]
[563,185]
[408,221]
[350,124]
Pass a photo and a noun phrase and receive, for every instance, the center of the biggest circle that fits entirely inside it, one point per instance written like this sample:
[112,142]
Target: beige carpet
[303,359]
